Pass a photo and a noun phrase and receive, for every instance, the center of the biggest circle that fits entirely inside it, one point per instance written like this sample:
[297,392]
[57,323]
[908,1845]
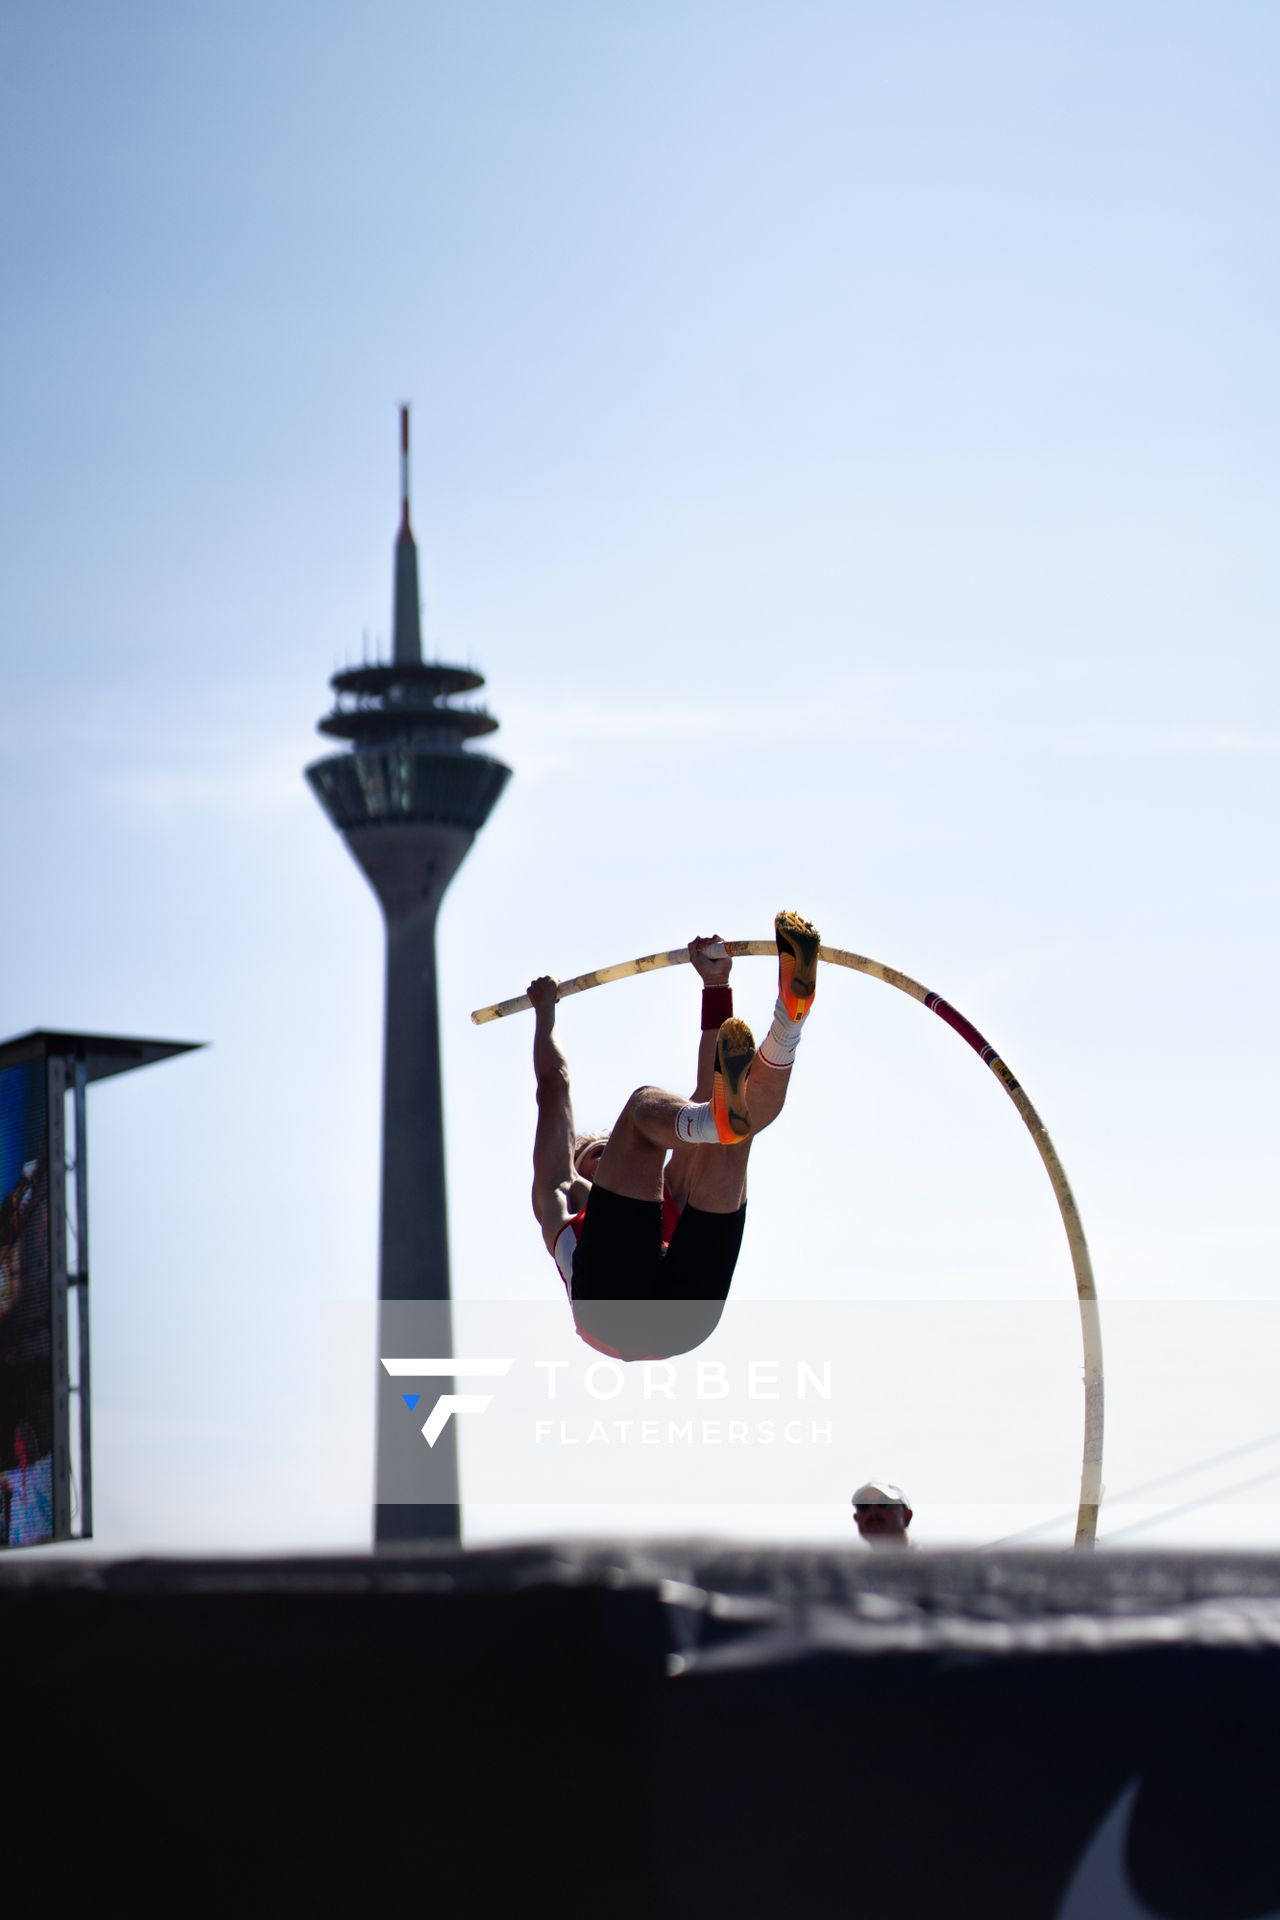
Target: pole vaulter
[1086,1290]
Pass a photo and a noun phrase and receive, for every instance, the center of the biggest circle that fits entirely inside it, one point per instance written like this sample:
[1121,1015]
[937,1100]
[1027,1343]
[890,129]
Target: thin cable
[1190,1506]
[1147,1486]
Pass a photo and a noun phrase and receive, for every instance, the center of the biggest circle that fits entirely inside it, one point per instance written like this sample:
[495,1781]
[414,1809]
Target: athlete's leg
[654,1122]
[632,1162]
[717,1183]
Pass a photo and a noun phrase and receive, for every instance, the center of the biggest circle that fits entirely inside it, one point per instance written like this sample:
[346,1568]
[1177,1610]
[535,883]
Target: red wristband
[717,1007]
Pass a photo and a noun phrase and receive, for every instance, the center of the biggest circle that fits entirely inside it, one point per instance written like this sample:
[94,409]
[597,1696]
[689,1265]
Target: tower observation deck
[409,796]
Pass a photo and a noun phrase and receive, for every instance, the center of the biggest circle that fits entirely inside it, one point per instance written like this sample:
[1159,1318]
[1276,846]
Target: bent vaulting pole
[1086,1291]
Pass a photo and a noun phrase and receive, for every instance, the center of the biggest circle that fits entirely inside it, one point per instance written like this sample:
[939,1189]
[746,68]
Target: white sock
[778,1048]
[695,1124]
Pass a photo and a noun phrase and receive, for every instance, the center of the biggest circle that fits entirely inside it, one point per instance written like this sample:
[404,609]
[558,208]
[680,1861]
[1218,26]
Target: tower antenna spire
[404,470]
[406,622]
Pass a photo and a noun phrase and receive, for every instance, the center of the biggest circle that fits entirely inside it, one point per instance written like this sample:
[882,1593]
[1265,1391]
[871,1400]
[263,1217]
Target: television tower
[409,799]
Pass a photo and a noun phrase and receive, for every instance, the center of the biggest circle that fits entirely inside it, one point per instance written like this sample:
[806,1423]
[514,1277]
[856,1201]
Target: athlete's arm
[712,965]
[553,1175]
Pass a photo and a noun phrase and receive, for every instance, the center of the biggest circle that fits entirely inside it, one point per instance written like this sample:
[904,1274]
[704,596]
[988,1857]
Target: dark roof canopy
[102,1053]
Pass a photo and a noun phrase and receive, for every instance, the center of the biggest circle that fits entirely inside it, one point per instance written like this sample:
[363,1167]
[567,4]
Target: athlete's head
[587,1148]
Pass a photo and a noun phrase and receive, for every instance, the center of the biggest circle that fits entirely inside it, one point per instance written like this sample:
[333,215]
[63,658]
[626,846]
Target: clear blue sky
[846,440]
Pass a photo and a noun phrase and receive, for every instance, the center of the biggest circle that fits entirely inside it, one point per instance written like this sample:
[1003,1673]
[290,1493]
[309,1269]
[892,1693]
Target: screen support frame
[59,1360]
[80,1281]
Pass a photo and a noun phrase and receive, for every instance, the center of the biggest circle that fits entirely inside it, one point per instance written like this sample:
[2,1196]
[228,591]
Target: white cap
[879,1493]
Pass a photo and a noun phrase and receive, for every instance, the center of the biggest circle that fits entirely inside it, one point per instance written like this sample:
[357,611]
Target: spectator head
[881,1514]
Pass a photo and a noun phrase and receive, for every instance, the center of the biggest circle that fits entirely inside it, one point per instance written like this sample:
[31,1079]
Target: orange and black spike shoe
[735,1055]
[798,945]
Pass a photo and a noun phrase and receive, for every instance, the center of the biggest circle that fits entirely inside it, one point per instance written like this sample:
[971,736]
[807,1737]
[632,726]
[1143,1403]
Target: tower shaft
[409,868]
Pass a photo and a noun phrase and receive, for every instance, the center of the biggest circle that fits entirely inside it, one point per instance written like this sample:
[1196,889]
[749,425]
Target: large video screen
[26,1344]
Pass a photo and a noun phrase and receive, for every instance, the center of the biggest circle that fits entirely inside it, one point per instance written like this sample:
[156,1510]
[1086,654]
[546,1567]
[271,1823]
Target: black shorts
[635,1299]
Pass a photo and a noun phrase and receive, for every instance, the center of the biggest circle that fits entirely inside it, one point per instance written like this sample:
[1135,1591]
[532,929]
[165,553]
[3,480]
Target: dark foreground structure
[614,1731]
